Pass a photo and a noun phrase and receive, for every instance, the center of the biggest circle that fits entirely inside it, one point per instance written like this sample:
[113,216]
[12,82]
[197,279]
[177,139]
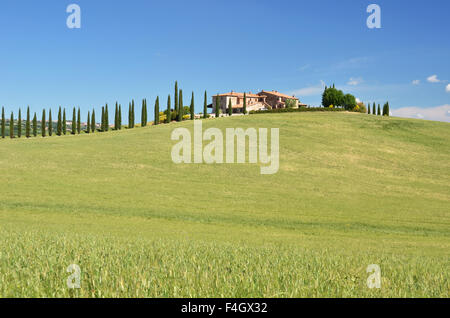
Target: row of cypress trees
[378,111]
[31,125]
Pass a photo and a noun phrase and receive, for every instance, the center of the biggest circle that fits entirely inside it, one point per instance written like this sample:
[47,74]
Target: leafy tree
[43,123]
[74,120]
[349,102]
[168,111]
[245,104]
[192,107]
[19,124]
[88,123]
[34,125]
[205,106]
[28,124]
[93,123]
[11,126]
[332,96]
[217,106]
[50,123]
[79,121]
[157,111]
[3,122]
[230,108]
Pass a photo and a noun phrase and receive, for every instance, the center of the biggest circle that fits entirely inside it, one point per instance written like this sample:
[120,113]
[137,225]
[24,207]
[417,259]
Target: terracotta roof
[277,94]
[234,94]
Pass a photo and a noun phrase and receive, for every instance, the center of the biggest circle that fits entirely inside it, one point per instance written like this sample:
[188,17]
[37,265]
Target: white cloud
[433,79]
[355,81]
[447,89]
[416,82]
[309,91]
[440,113]
[304,67]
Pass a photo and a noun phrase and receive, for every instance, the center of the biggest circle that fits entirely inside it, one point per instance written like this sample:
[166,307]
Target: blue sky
[138,48]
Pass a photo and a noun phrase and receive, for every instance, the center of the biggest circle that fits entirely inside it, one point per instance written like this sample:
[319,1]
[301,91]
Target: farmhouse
[260,101]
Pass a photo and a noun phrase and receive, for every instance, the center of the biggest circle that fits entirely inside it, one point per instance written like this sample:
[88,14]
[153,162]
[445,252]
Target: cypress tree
[50,123]
[74,120]
[192,107]
[19,124]
[3,122]
[230,108]
[176,100]
[11,126]
[93,123]
[368,108]
[28,124]
[374,111]
[217,106]
[245,103]
[143,114]
[180,106]
[386,109]
[168,111]
[88,123]
[102,124]
[106,118]
[132,114]
[205,106]
[157,111]
[129,115]
[34,125]
[64,122]
[43,123]
[116,118]
[119,117]
[379,110]
[79,121]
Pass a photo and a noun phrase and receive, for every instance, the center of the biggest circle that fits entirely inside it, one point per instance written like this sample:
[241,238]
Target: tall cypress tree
[93,123]
[374,110]
[106,118]
[43,123]
[217,106]
[50,123]
[28,124]
[143,113]
[368,108]
[230,108]
[102,124]
[129,115]
[88,123]
[11,126]
[205,106]
[245,104]
[386,109]
[3,122]
[180,106]
[116,118]
[176,100]
[74,120]
[379,110]
[192,107]
[157,111]
[79,121]
[168,111]
[34,125]
[132,114]
[19,124]
[119,117]
[64,122]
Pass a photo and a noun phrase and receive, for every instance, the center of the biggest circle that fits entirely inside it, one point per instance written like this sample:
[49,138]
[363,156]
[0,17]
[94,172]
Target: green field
[352,190]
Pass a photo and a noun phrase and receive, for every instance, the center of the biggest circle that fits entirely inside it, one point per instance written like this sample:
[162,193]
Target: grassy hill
[352,190]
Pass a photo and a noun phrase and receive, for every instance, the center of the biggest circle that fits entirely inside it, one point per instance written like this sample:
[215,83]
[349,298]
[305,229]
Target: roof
[235,94]
[277,94]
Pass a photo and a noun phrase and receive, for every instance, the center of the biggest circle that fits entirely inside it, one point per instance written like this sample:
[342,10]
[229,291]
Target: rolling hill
[352,190]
